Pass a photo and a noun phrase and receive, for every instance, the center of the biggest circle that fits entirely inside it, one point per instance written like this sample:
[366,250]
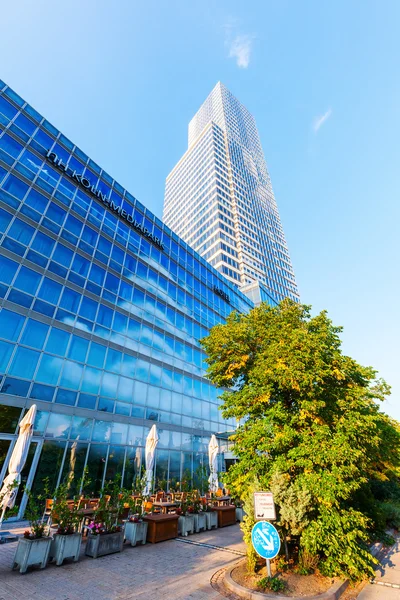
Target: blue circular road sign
[265,539]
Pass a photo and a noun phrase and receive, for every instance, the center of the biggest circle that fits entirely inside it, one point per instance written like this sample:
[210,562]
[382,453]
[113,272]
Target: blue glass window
[81,428]
[57,341]
[73,225]
[21,232]
[91,380]
[63,255]
[104,316]
[71,375]
[50,369]
[15,186]
[25,124]
[24,363]
[120,323]
[5,219]
[66,397]
[55,213]
[5,354]
[50,290]
[10,325]
[12,147]
[34,334]
[7,109]
[27,280]
[36,200]
[8,269]
[70,300]
[97,274]
[43,244]
[58,426]
[15,387]
[87,401]
[106,405]
[80,265]
[88,308]
[125,389]
[109,385]
[43,139]
[113,362]
[102,431]
[96,355]
[42,392]
[31,161]
[78,348]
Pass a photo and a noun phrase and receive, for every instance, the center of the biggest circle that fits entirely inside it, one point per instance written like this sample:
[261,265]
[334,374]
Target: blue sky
[123,79]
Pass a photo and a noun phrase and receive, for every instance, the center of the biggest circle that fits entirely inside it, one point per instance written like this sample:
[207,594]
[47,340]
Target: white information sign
[264,507]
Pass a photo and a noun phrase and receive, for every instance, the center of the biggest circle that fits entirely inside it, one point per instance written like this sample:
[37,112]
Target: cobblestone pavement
[171,570]
[386,585]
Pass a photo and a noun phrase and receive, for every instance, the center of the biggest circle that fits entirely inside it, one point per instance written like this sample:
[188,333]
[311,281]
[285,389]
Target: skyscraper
[219,199]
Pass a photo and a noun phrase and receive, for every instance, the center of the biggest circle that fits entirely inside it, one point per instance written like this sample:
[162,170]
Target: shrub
[271,583]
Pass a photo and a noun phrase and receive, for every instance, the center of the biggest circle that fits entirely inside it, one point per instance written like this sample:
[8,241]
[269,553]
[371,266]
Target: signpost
[264,507]
[266,541]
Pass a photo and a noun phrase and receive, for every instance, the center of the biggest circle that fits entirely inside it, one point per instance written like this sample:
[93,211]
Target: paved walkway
[172,570]
[387,578]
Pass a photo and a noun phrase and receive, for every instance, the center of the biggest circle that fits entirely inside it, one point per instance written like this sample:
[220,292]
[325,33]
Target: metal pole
[269,567]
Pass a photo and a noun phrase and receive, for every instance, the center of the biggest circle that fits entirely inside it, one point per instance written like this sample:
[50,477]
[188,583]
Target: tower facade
[219,199]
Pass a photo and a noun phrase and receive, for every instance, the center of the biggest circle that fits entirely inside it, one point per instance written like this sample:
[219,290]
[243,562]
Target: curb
[332,594]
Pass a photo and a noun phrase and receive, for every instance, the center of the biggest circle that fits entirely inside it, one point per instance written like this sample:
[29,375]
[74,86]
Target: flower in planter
[178,511]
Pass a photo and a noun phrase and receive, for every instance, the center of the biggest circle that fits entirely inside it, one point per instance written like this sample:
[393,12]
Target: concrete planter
[136,532]
[32,552]
[185,525]
[65,546]
[200,522]
[107,543]
[211,520]
[239,514]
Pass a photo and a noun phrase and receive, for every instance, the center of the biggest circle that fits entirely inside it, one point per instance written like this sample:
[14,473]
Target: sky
[123,79]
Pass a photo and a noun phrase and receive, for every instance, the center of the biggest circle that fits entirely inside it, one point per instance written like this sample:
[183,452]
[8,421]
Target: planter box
[65,546]
[136,532]
[101,545]
[239,514]
[200,522]
[161,527]
[211,520]
[226,515]
[32,552]
[185,525]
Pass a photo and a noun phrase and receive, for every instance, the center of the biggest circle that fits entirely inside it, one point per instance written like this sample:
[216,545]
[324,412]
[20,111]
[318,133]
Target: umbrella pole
[2,516]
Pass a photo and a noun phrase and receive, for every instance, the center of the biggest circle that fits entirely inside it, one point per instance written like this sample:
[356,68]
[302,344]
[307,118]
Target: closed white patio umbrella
[8,493]
[151,443]
[213,462]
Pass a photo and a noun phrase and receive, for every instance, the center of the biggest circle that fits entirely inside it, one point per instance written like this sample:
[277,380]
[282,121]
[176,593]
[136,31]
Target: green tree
[310,429]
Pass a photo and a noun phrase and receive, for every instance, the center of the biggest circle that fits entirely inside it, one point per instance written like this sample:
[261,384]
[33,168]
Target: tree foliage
[310,427]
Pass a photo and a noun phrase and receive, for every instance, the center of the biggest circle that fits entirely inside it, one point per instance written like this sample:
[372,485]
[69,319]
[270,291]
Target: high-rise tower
[219,198]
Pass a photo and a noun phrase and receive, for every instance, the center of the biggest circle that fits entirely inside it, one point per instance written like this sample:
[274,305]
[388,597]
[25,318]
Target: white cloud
[319,121]
[240,47]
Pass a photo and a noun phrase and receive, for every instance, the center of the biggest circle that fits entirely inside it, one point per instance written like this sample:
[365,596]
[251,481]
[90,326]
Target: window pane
[24,363]
[50,291]
[10,325]
[34,334]
[8,268]
[50,369]
[27,280]
[5,355]
[57,342]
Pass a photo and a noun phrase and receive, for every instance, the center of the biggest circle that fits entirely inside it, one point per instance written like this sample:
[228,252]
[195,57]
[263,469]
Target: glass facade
[219,199]
[101,310]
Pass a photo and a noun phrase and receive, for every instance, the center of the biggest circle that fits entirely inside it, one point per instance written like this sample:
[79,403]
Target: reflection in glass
[95,466]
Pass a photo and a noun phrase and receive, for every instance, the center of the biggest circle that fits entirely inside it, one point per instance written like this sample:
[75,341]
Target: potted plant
[211,518]
[106,533]
[199,516]
[186,519]
[67,541]
[34,547]
[135,527]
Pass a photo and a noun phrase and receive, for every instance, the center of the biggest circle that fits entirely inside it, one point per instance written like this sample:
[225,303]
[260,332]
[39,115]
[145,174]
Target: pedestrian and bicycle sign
[265,539]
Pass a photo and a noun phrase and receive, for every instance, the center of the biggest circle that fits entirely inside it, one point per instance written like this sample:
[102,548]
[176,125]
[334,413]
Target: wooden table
[222,500]
[161,527]
[226,515]
[166,507]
